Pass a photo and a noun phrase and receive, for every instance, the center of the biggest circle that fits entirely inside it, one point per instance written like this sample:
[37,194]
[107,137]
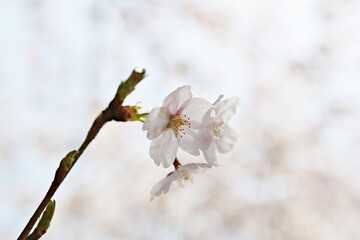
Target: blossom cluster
[192,124]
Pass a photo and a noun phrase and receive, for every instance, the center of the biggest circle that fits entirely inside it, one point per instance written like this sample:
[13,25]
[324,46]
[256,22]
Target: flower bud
[129,113]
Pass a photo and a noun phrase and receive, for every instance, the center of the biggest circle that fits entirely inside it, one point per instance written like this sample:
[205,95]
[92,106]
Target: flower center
[177,124]
[218,130]
[184,178]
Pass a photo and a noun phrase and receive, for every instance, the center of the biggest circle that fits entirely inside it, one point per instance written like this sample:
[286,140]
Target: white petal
[208,118]
[194,167]
[210,156]
[227,141]
[188,143]
[156,122]
[163,148]
[226,109]
[157,188]
[196,109]
[204,138]
[177,98]
[162,186]
[193,140]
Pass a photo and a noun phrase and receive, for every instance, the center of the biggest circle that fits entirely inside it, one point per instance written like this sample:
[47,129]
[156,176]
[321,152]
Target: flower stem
[176,164]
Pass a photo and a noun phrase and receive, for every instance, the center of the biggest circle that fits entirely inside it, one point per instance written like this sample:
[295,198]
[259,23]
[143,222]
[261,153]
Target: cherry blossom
[224,136]
[182,174]
[178,123]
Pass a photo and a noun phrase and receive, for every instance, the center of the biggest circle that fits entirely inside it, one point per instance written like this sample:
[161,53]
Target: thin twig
[114,111]
[94,130]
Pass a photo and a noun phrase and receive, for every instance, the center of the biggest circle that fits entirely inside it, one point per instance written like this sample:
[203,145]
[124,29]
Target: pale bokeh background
[293,174]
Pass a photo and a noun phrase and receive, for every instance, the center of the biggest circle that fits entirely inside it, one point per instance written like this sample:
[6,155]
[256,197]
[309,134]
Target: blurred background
[293,173]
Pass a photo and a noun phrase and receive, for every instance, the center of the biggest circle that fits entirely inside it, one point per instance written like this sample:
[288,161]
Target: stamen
[184,177]
[177,123]
[218,130]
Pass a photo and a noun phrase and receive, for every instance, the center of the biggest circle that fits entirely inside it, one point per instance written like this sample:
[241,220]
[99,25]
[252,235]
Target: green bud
[46,217]
[126,87]
[133,115]
[129,113]
[68,160]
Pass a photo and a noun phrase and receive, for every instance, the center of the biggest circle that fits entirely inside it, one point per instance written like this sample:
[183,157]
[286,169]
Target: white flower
[181,174]
[224,137]
[176,124]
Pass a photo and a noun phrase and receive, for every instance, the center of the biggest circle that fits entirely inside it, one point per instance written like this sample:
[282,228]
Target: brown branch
[115,111]
[35,235]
